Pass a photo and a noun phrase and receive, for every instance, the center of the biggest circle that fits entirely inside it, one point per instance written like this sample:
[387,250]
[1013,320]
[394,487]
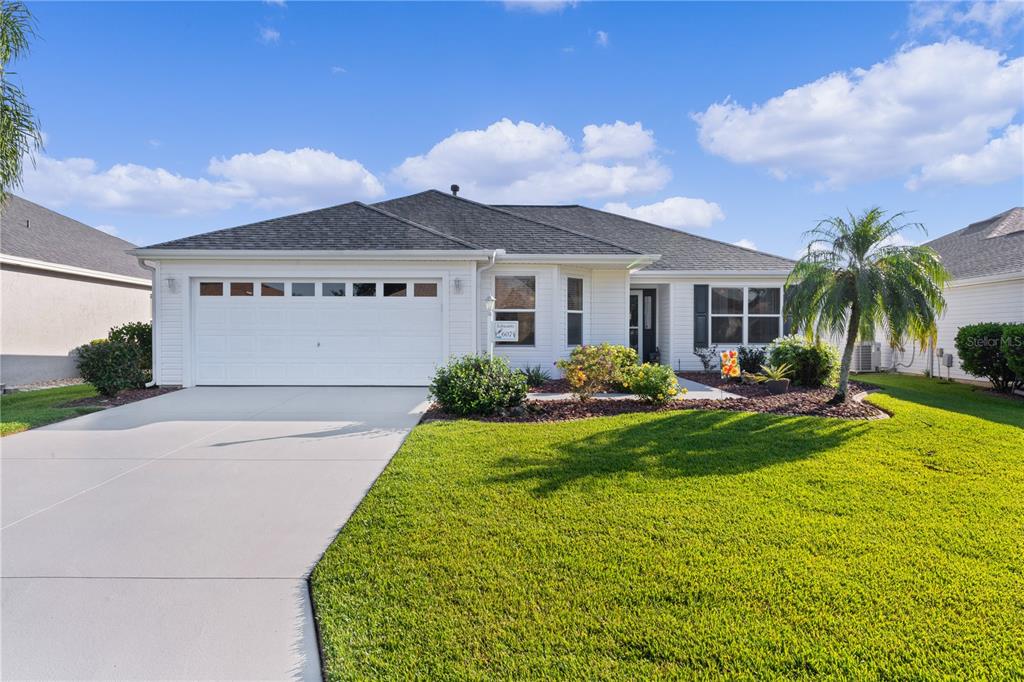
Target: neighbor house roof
[994,246]
[30,231]
[347,227]
[679,250]
[494,228]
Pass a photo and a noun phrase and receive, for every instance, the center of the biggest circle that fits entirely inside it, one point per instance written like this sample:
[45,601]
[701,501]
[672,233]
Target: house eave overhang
[986,279]
[607,260]
[60,268]
[661,274]
[306,254]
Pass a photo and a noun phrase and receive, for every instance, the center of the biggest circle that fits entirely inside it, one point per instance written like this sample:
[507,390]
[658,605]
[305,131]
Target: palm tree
[19,129]
[856,278]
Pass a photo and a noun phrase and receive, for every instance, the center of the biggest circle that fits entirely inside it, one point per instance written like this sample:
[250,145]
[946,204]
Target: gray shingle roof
[28,230]
[679,250]
[347,227]
[989,247]
[494,228]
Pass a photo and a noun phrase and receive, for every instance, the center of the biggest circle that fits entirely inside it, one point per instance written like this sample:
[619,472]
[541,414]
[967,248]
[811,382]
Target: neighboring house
[63,284]
[381,294]
[986,263]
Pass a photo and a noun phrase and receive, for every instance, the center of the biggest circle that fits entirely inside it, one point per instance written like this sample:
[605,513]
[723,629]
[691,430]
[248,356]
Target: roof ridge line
[690,234]
[538,222]
[431,230]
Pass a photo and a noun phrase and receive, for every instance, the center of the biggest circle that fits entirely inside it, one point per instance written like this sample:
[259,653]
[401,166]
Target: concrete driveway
[172,538]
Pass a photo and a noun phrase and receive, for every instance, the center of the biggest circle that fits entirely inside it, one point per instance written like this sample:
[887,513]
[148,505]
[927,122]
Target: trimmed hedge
[980,349]
[476,384]
[139,334]
[1012,347]
[111,366]
[813,364]
[653,383]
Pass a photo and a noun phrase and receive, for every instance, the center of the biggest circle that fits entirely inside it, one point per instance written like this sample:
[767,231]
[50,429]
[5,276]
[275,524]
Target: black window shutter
[700,316]
[787,321]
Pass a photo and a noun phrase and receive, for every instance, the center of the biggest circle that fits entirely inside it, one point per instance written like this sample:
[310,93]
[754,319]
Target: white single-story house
[62,284]
[381,294]
[985,261]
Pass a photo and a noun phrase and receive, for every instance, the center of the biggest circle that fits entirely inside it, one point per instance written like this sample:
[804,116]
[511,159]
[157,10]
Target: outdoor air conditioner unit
[867,357]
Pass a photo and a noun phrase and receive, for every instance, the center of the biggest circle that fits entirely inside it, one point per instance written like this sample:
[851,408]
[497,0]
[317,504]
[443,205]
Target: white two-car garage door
[316,332]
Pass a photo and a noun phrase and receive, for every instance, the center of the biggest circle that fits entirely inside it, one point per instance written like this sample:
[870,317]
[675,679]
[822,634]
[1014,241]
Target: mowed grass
[29,409]
[692,545]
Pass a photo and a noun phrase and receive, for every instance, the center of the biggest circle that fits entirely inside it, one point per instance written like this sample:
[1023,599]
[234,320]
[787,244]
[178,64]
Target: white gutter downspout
[152,313]
[491,262]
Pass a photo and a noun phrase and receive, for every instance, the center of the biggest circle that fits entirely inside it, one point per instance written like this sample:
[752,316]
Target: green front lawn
[692,544]
[27,410]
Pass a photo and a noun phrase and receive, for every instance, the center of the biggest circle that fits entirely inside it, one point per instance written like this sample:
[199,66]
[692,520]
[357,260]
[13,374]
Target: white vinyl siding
[987,302]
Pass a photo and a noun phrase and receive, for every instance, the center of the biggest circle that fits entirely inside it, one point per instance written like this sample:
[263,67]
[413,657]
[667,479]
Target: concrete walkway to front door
[172,538]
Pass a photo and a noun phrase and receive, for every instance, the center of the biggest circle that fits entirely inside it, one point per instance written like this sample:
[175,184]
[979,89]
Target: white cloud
[539,6]
[301,179]
[945,18]
[1001,159]
[338,70]
[676,212]
[527,162]
[153,142]
[745,243]
[917,108]
[617,141]
[601,38]
[278,3]
[269,36]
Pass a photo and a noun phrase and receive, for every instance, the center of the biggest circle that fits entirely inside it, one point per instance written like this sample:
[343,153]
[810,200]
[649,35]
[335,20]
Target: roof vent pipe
[455,190]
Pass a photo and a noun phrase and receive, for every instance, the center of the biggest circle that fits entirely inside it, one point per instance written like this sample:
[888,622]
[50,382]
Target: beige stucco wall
[44,315]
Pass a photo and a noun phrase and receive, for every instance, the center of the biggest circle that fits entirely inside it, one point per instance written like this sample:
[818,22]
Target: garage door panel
[317,340]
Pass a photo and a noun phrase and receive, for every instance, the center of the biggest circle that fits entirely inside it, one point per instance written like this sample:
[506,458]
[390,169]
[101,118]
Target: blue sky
[736,121]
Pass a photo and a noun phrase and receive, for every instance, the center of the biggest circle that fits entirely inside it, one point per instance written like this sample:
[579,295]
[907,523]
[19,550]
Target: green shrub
[590,369]
[477,385]
[980,349]
[813,364]
[653,383]
[1012,346]
[111,366]
[751,357]
[140,334]
[535,375]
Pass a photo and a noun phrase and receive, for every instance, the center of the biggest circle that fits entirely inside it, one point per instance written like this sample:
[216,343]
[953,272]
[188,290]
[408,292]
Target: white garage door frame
[257,274]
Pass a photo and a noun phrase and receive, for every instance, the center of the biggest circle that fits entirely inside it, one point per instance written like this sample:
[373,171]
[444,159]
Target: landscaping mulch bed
[799,401]
[130,395]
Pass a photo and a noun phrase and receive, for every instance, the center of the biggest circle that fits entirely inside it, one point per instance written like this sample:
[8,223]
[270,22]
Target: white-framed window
[574,311]
[745,315]
[516,301]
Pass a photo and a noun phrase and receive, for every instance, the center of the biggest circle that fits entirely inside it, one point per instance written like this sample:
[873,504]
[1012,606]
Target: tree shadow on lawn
[959,398]
[689,443]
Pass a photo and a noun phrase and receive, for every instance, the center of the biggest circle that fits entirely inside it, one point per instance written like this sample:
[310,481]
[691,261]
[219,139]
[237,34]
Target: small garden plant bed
[126,396]
[552,386]
[753,398]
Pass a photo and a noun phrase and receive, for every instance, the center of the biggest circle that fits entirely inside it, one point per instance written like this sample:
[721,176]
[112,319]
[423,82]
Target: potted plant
[774,378]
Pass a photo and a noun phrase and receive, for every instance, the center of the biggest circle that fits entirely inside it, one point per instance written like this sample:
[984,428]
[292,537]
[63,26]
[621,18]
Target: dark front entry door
[643,328]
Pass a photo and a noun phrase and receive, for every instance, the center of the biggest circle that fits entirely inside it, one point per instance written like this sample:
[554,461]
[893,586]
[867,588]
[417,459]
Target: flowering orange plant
[730,363]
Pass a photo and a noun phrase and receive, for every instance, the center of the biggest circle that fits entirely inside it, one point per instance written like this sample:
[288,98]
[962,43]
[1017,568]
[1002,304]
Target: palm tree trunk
[844,367]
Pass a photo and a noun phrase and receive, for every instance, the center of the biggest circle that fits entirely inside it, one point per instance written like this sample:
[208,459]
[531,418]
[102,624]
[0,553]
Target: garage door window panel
[242,288]
[303,289]
[424,289]
[364,289]
[396,289]
[211,288]
[333,289]
[271,289]
[516,301]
